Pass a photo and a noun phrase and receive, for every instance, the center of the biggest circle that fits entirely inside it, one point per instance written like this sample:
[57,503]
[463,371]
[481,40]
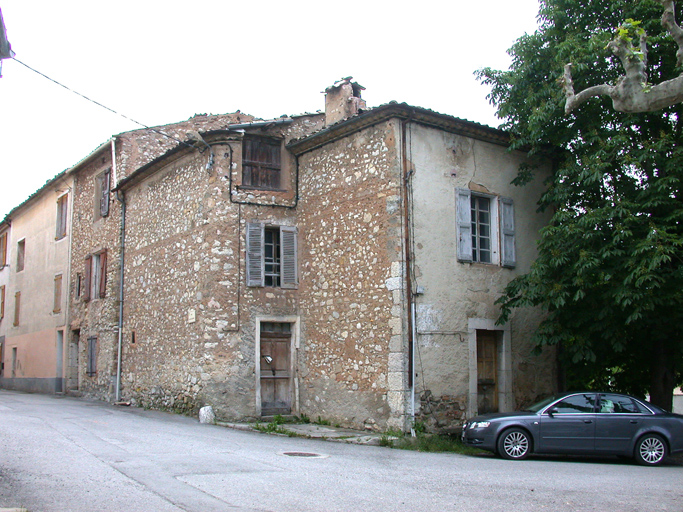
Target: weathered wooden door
[487,371]
[276,381]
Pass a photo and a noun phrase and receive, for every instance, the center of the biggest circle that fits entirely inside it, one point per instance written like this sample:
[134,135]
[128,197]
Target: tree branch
[574,100]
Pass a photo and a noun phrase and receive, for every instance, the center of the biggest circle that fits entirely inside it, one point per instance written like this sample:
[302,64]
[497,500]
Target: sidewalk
[314,431]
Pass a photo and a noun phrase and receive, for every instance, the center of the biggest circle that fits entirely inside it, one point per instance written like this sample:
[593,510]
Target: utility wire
[103,106]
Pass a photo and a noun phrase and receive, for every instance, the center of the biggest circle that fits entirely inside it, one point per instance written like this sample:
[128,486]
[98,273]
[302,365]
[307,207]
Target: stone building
[341,265]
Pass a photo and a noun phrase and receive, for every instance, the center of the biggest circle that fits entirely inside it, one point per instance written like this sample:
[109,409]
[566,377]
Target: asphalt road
[69,455]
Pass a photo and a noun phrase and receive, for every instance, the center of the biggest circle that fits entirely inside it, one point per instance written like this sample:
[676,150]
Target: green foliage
[302,419]
[609,271]
[321,421]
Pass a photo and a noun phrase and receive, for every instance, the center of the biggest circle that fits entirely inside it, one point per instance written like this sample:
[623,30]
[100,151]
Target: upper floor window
[2,303]
[271,256]
[3,249]
[261,163]
[17,308]
[62,209]
[102,186]
[95,285]
[21,254]
[486,228]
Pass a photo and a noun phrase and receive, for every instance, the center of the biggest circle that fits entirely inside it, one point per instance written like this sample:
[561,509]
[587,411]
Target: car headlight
[480,424]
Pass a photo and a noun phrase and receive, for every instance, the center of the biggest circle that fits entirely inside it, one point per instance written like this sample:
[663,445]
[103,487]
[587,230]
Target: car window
[643,409]
[610,403]
[582,403]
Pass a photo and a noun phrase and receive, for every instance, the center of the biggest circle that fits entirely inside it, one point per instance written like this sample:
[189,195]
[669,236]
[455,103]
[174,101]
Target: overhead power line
[101,105]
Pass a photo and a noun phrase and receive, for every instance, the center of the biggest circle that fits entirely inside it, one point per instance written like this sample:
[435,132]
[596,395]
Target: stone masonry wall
[352,365]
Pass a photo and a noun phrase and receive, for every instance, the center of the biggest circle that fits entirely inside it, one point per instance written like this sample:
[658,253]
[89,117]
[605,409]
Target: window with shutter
[102,283]
[271,256]
[2,302]
[485,228]
[17,308]
[21,255]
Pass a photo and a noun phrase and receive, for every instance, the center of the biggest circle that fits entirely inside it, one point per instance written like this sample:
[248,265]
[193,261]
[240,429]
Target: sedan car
[589,423]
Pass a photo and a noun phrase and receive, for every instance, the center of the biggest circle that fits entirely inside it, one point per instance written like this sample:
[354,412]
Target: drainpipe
[408,259]
[122,200]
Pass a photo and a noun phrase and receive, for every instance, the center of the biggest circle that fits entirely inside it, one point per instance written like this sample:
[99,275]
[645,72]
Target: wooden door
[487,371]
[275,364]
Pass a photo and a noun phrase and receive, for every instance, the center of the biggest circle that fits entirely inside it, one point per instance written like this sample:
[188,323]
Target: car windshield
[540,405]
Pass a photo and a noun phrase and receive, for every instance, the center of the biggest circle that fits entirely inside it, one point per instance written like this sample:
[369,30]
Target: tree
[609,270]
[632,92]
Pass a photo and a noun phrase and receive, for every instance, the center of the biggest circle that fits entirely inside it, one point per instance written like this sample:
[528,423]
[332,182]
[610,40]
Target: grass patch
[423,442]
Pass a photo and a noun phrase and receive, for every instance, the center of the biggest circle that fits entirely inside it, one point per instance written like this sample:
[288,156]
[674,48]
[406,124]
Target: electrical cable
[103,106]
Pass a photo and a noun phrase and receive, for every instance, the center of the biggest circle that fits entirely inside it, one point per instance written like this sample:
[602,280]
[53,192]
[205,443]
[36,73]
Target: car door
[568,426]
[618,419]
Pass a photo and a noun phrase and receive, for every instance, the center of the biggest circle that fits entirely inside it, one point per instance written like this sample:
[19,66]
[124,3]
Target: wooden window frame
[287,276]
[2,301]
[502,226]
[261,163]
[62,216]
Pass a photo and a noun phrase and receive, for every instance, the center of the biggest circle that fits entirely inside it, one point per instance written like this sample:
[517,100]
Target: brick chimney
[342,100]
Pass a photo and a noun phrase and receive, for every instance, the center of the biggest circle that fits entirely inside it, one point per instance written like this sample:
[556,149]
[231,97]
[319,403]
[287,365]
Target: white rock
[206,415]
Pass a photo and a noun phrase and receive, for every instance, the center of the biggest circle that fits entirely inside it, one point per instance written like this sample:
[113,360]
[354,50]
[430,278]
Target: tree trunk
[662,374]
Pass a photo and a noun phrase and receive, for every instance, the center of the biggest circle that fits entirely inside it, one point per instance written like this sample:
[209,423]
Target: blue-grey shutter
[288,251]
[255,264]
[463,213]
[507,232]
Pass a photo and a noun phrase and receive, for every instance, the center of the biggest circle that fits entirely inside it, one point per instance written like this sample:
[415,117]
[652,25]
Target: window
[271,256]
[91,364]
[261,163]
[57,307]
[575,404]
[62,209]
[95,285]
[102,185]
[3,249]
[486,228]
[2,302]
[17,308]
[618,404]
[21,254]
[79,285]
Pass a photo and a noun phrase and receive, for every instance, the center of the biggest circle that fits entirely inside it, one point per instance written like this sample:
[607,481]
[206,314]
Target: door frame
[293,359]
[505,397]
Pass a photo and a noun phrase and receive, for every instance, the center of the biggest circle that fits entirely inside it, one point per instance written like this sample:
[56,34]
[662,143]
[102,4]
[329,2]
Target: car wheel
[514,444]
[650,450]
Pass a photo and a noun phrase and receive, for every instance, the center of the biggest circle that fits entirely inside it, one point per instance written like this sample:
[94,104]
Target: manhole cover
[305,454]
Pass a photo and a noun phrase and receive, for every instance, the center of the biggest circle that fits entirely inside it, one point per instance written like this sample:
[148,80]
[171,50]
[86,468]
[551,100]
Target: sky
[163,61]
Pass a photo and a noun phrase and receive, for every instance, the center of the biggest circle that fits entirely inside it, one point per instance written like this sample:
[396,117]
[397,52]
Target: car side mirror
[551,411]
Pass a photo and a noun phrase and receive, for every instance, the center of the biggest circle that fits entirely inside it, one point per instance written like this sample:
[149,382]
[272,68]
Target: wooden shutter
[2,303]
[57,306]
[104,192]
[255,260]
[103,275]
[92,356]
[3,250]
[507,237]
[62,208]
[87,274]
[288,252]
[17,308]
[463,212]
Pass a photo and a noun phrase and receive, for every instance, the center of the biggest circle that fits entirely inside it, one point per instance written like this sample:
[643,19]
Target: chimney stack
[342,100]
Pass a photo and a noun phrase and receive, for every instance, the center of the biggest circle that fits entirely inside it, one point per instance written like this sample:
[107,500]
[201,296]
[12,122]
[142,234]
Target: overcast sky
[160,62]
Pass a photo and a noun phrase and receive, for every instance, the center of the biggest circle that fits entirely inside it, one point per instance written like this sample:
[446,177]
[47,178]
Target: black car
[587,423]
